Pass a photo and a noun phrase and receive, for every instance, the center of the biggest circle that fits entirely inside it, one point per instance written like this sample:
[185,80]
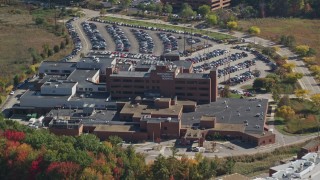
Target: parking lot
[147,40]
[131,43]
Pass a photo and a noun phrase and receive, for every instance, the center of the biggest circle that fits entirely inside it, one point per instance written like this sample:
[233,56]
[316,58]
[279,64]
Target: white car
[12,93]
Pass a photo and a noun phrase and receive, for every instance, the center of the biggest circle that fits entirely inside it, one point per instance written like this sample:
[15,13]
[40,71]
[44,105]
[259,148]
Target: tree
[315,69]
[212,19]
[151,7]
[285,112]
[115,140]
[302,50]
[160,169]
[288,41]
[284,101]
[204,10]
[159,8]
[112,2]
[124,4]
[316,101]
[186,11]
[232,25]
[276,93]
[62,45]
[292,77]
[39,21]
[311,52]
[103,11]
[226,91]
[174,151]
[56,49]
[16,80]
[254,30]
[50,52]
[167,8]
[301,93]
[289,66]
[266,83]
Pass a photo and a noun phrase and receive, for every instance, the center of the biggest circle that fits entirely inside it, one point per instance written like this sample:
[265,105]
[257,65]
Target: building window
[204,95]
[165,128]
[80,89]
[101,89]
[90,89]
[204,89]
[203,82]
[116,80]
[191,82]
[127,80]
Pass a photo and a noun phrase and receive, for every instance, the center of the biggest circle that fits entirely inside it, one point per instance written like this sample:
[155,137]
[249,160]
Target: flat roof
[183,63]
[59,84]
[142,109]
[52,77]
[131,74]
[229,127]
[232,111]
[38,95]
[56,64]
[116,128]
[192,76]
[95,63]
[81,76]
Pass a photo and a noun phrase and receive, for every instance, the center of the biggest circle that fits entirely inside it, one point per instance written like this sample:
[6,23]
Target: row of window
[191,88]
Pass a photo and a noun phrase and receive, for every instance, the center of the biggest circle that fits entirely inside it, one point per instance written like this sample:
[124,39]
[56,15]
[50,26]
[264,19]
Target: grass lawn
[305,31]
[18,33]
[235,96]
[165,26]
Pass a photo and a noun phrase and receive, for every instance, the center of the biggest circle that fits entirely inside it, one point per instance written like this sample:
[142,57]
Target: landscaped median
[215,35]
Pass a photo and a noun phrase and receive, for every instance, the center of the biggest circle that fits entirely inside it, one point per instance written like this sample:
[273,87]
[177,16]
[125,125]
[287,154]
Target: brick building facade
[162,80]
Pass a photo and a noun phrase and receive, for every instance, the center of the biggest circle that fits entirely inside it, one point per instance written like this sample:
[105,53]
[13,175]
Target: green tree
[103,11]
[212,19]
[50,52]
[160,168]
[151,7]
[39,21]
[159,8]
[266,83]
[186,11]
[204,10]
[167,8]
[276,93]
[56,49]
[88,142]
[115,140]
[62,45]
[284,101]
[124,4]
[16,80]
[174,151]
